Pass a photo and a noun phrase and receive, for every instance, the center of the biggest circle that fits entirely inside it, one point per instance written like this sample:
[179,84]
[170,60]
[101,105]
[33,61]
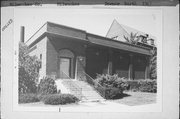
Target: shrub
[112,92]
[28,70]
[47,86]
[133,85]
[113,81]
[112,85]
[142,85]
[109,93]
[56,99]
[153,64]
[28,98]
[148,85]
[25,82]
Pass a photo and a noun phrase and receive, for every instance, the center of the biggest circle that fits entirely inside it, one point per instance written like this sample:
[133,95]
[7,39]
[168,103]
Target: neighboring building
[70,53]
[118,32]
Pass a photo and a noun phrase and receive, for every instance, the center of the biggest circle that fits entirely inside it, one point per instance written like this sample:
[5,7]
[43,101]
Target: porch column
[130,72]
[147,70]
[110,64]
[80,67]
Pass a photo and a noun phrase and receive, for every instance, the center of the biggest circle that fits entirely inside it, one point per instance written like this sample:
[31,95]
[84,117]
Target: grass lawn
[137,98]
[128,98]
[46,105]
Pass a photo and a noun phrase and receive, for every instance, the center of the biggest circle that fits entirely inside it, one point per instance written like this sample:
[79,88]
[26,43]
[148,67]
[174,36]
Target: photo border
[170,70]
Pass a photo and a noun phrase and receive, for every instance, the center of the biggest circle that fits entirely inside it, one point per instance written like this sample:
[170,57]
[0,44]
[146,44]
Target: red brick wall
[52,58]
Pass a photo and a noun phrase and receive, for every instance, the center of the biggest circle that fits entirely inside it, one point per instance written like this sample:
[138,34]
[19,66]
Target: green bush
[109,93]
[133,85]
[142,85]
[47,86]
[28,70]
[56,99]
[111,81]
[112,85]
[148,86]
[26,84]
[153,64]
[28,98]
[112,92]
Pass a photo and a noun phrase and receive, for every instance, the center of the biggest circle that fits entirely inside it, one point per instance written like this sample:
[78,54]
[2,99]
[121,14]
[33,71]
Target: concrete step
[88,92]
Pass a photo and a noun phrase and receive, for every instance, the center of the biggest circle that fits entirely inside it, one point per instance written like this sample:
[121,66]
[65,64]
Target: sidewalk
[133,101]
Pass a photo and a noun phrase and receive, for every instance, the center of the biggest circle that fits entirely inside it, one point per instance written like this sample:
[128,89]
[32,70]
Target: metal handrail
[92,79]
[76,87]
[95,83]
[89,76]
[65,74]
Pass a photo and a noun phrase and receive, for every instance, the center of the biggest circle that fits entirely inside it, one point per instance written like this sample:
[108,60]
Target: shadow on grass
[120,96]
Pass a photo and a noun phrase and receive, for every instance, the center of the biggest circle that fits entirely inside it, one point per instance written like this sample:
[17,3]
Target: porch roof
[104,41]
[59,30]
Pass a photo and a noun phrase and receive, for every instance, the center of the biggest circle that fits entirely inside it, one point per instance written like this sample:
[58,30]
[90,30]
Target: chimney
[152,41]
[22,34]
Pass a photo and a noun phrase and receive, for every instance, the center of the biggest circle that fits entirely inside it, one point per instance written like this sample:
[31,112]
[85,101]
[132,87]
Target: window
[40,60]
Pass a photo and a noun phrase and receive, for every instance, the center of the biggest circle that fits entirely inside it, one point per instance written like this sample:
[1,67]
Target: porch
[105,60]
[107,56]
[95,59]
[95,55]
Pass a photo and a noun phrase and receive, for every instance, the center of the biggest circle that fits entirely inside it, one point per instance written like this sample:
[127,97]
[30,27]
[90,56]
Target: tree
[28,70]
[153,59]
[133,38]
[153,64]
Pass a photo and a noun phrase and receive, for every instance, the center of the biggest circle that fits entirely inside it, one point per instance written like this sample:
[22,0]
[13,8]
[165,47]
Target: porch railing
[74,89]
[100,89]
[63,75]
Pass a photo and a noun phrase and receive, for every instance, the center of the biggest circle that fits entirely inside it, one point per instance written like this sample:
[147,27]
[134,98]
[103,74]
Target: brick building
[70,53]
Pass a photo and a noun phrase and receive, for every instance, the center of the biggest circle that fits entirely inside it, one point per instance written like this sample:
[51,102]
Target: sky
[96,21]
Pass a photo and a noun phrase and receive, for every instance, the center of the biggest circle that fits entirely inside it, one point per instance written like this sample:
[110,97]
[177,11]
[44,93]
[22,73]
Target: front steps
[88,92]
[61,87]
[80,89]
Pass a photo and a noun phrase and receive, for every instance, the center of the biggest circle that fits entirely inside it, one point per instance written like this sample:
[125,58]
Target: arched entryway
[66,64]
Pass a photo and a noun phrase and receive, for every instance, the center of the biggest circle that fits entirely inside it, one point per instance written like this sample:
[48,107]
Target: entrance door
[64,68]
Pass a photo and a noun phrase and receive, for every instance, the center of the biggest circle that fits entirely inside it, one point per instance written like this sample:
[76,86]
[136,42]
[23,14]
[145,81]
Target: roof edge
[36,32]
[68,27]
[105,38]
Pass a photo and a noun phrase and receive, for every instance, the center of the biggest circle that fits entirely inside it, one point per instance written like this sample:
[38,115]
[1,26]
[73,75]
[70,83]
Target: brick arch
[66,53]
